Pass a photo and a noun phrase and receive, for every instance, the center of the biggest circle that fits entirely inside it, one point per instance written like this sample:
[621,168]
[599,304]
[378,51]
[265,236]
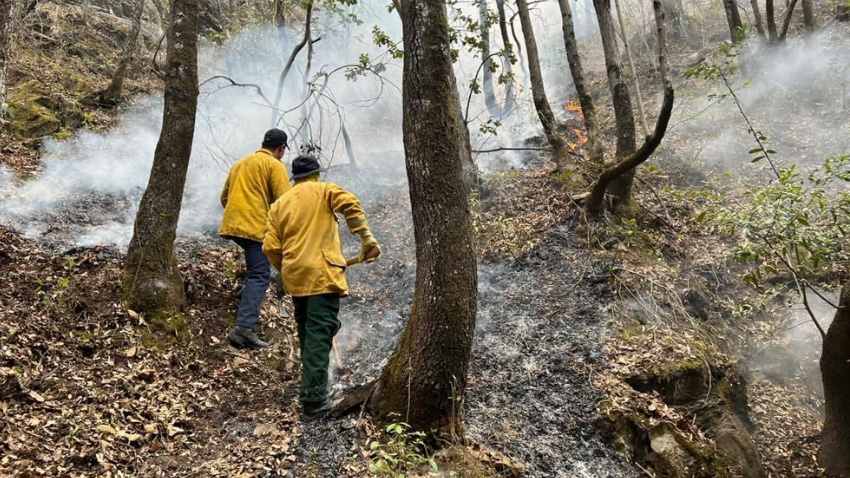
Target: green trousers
[318,323]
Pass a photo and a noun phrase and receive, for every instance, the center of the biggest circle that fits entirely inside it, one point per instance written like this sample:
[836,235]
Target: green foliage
[401,450]
[798,223]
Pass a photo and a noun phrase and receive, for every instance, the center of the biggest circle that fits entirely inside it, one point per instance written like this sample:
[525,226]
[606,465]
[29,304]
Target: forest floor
[571,311]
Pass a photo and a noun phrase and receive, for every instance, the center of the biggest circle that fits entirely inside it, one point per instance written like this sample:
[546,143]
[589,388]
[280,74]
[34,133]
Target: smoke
[794,93]
[92,182]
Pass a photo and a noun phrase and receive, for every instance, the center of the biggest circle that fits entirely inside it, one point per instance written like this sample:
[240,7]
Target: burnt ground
[87,388]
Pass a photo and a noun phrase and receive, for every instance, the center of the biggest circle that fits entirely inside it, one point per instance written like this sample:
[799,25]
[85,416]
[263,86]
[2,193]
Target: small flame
[574,108]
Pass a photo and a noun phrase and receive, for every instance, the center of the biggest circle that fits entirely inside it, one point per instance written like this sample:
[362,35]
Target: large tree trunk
[835,371]
[617,178]
[733,19]
[538,91]
[623,111]
[6,15]
[770,13]
[507,57]
[759,21]
[113,92]
[594,142]
[425,378]
[152,282]
[808,15]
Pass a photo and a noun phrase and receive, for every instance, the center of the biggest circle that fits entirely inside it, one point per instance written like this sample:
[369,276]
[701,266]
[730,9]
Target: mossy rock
[32,111]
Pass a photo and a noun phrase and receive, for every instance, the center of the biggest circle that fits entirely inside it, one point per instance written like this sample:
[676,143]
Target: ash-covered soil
[540,332]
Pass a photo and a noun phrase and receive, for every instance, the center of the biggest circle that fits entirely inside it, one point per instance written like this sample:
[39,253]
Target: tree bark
[808,15]
[487,75]
[152,282]
[6,15]
[116,86]
[644,128]
[733,18]
[835,372]
[425,378]
[759,21]
[787,22]
[770,13]
[538,91]
[594,143]
[616,179]
[623,112]
[507,57]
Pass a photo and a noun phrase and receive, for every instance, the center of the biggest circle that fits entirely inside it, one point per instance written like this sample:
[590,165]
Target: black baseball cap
[274,138]
[305,165]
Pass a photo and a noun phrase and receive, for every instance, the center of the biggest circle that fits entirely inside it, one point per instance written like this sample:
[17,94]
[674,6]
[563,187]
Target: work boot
[245,338]
[316,410]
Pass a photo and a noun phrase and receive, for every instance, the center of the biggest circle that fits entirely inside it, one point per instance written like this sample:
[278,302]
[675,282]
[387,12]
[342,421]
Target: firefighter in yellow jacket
[254,183]
[302,241]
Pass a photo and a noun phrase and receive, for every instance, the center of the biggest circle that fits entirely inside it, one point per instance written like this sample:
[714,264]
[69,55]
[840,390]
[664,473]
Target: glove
[368,247]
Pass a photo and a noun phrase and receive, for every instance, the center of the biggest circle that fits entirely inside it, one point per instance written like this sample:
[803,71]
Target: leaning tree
[425,378]
[617,176]
[152,282]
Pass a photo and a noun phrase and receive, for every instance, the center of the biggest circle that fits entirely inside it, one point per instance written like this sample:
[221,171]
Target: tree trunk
[113,92]
[425,378]
[623,111]
[758,19]
[808,15]
[507,57]
[538,92]
[675,10]
[276,116]
[770,13]
[644,128]
[617,178]
[733,18]
[152,282]
[6,15]
[787,21]
[594,144]
[835,372]
[487,74]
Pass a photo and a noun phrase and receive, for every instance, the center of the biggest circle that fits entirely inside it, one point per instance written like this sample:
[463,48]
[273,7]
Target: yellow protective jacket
[302,237]
[254,183]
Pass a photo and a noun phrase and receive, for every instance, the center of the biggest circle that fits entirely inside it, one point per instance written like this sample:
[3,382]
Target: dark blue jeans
[256,283]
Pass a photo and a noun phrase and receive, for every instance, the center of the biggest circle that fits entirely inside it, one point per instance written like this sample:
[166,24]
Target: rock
[32,115]
[671,456]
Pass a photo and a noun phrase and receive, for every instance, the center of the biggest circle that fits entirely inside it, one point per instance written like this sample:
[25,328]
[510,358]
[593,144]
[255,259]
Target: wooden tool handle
[356,259]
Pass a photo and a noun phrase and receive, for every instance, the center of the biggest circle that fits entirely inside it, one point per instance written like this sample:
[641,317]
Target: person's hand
[370,251]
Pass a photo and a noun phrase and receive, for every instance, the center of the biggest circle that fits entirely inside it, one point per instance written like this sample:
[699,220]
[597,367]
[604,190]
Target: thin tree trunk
[787,22]
[632,71]
[507,57]
[538,91]
[594,142]
[6,15]
[835,372]
[733,18]
[425,378]
[292,56]
[487,74]
[675,10]
[758,19]
[116,86]
[808,15]
[152,282]
[616,179]
[770,13]
[623,112]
